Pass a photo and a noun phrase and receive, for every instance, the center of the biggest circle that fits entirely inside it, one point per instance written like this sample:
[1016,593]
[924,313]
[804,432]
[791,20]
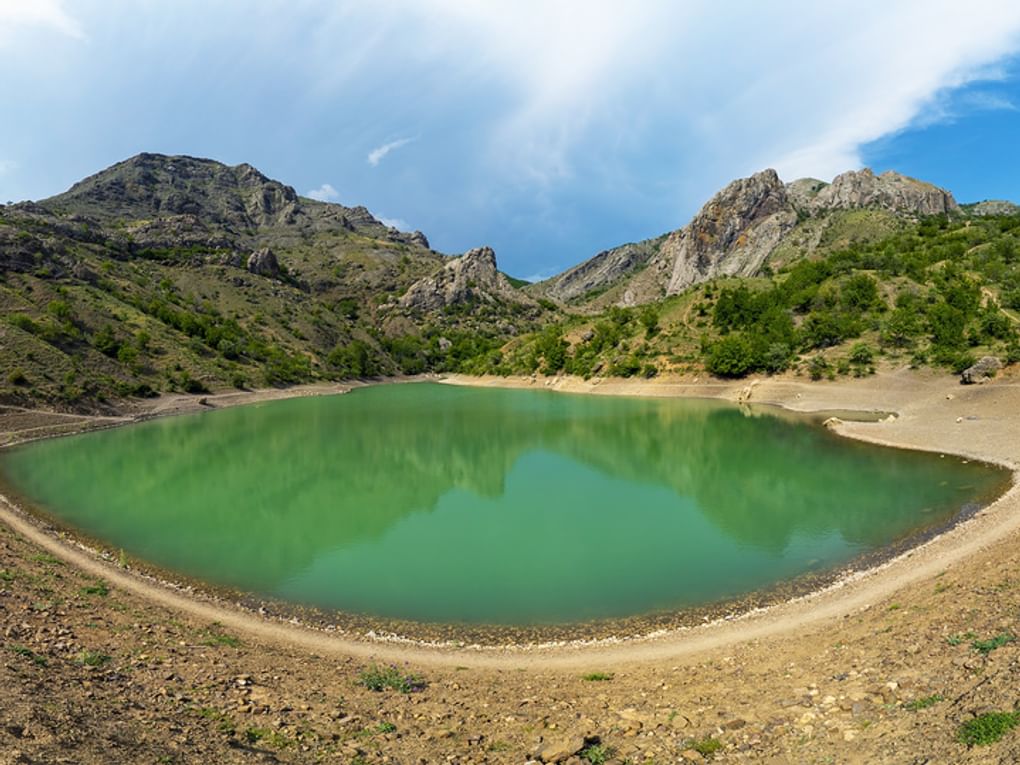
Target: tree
[731,356]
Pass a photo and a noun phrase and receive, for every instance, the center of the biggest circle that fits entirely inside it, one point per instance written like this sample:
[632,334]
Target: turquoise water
[437,503]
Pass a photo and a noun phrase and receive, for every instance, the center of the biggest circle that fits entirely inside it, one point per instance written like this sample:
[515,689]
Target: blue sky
[548,130]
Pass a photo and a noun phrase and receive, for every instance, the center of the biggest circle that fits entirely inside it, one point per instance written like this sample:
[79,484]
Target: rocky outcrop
[599,273]
[982,371]
[264,263]
[740,227]
[860,189]
[470,278]
[732,235]
[993,207]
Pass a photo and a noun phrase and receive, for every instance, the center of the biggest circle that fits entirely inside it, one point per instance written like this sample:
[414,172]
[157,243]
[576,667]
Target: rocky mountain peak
[472,277]
[732,234]
[149,186]
[889,191]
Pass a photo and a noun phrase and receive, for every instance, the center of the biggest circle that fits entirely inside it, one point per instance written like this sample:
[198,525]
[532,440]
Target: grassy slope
[945,293]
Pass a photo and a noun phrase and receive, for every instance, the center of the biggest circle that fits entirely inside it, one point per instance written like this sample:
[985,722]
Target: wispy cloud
[379,153]
[542,275]
[398,223]
[47,14]
[325,193]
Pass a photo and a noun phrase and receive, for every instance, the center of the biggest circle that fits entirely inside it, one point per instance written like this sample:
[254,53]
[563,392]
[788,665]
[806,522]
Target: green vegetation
[955,640]
[21,650]
[923,703]
[597,677]
[706,747]
[987,728]
[255,735]
[100,588]
[987,646]
[378,678]
[597,754]
[215,636]
[93,658]
[939,292]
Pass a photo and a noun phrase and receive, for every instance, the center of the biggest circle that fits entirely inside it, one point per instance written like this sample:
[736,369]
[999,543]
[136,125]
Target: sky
[549,130]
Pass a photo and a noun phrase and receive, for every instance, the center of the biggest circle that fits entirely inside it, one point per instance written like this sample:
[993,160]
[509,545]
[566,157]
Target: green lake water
[438,503]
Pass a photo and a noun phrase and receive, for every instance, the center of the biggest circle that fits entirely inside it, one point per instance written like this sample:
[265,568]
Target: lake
[438,503]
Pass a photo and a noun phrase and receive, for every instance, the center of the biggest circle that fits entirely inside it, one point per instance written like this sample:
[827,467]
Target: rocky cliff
[737,231]
[470,278]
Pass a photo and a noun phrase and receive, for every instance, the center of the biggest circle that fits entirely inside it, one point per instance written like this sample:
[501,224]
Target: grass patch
[960,638]
[377,678]
[706,747]
[28,653]
[985,647]
[987,728]
[47,558]
[100,588]
[597,754]
[597,677]
[266,736]
[214,636]
[6,576]
[928,701]
[93,658]
[223,723]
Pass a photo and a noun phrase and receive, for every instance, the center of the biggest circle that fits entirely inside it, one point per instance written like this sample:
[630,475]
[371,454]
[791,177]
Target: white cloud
[47,14]
[398,223]
[802,86]
[325,193]
[377,154]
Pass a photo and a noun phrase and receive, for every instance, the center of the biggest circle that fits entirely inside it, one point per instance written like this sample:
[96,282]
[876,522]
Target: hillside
[938,291]
[167,274]
[175,273]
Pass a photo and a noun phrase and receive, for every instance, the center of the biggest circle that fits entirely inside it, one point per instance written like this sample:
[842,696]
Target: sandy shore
[878,615]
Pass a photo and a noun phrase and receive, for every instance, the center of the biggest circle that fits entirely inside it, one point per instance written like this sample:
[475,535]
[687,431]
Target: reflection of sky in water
[432,502]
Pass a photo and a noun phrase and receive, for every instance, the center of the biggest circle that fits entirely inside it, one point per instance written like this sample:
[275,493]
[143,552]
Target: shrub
[987,728]
[17,377]
[377,678]
[731,356]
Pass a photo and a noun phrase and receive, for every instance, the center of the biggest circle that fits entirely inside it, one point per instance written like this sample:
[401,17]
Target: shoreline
[847,593]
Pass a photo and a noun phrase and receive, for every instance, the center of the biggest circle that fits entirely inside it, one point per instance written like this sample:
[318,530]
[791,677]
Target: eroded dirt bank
[880,669]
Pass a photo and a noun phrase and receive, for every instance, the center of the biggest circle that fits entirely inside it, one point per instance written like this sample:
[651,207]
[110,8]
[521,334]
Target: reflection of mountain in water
[256,479]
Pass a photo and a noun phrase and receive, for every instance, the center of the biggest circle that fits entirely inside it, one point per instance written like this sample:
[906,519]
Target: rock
[889,191]
[994,207]
[418,238]
[470,278]
[738,230]
[263,263]
[445,344]
[732,235]
[559,750]
[692,755]
[982,371]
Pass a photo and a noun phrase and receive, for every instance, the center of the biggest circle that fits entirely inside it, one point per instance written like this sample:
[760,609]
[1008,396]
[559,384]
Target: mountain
[738,231]
[471,279]
[172,273]
[180,273]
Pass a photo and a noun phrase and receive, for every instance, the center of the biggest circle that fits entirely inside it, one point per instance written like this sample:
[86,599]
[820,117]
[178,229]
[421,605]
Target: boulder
[263,263]
[982,371]
[559,750]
